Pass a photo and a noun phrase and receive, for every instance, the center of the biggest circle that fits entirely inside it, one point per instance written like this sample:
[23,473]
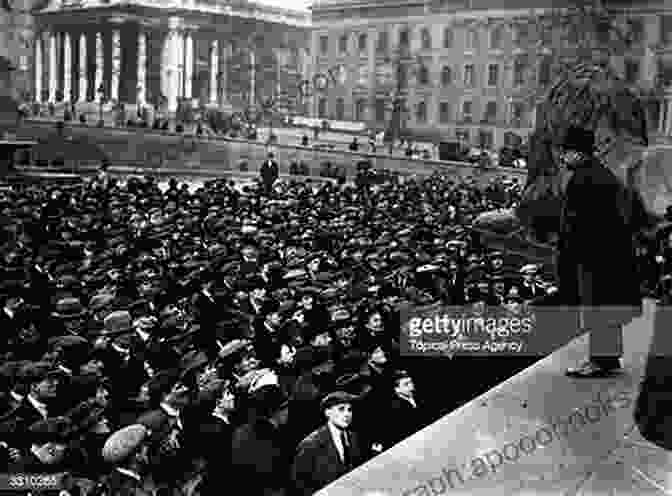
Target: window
[340,109]
[545,71]
[324,45]
[631,71]
[462,135]
[520,34]
[360,109]
[380,110]
[444,112]
[472,39]
[636,28]
[363,75]
[383,42]
[519,68]
[421,112]
[517,111]
[446,76]
[469,75]
[493,74]
[485,139]
[362,42]
[404,38]
[322,108]
[467,107]
[402,75]
[426,39]
[490,112]
[496,38]
[343,44]
[447,38]
[423,75]
[666,29]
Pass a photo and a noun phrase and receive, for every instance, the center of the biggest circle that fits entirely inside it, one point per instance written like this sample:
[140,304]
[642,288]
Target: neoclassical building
[468,69]
[213,52]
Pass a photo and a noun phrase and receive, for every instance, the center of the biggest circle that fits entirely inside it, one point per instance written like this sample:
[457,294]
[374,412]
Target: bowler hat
[580,140]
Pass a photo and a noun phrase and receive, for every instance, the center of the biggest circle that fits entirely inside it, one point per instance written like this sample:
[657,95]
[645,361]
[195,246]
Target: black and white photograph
[335,247]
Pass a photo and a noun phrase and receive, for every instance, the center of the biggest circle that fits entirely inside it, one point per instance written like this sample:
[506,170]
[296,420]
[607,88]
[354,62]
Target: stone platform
[538,433]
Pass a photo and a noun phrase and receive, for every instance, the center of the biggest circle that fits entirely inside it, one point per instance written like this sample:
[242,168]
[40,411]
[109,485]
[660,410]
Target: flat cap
[123,443]
[337,398]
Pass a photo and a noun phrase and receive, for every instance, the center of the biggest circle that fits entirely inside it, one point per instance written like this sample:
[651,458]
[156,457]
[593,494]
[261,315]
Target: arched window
[426,39]
[421,112]
[446,76]
[423,75]
[447,38]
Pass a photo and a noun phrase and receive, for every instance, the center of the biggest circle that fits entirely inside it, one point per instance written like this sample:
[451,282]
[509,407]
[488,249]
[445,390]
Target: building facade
[464,69]
[156,52]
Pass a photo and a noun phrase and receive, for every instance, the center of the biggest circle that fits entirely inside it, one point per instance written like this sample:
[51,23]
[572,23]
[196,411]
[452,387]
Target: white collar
[16,396]
[130,473]
[207,293]
[9,312]
[143,335]
[222,417]
[172,412]
[409,399]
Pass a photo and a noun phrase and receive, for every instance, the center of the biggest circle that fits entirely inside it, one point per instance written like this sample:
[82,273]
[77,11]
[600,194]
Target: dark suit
[214,442]
[269,173]
[318,463]
[402,420]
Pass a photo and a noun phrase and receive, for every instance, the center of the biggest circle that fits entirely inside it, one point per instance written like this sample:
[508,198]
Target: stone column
[100,63]
[142,67]
[214,71]
[67,67]
[253,74]
[188,65]
[52,68]
[224,68]
[172,70]
[179,55]
[668,120]
[83,78]
[38,68]
[116,65]
[662,113]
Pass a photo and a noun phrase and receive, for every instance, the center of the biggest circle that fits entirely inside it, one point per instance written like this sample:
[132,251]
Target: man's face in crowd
[247,364]
[46,389]
[340,415]
[375,322]
[346,336]
[307,302]
[497,263]
[405,387]
[314,265]
[499,288]
[14,303]
[274,319]
[378,356]
[93,367]
[322,340]
[29,334]
[258,293]
[103,395]
[226,403]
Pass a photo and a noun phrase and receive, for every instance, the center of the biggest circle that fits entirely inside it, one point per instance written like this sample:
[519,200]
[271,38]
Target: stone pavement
[538,433]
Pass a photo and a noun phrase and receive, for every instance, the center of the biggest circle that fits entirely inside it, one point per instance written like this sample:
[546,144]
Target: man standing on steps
[269,173]
[595,218]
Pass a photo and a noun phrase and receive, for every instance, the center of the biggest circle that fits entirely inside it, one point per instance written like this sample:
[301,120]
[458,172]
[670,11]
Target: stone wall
[152,149]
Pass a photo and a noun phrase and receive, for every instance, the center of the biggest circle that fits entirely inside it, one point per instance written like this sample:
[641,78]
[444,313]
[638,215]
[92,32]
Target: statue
[592,98]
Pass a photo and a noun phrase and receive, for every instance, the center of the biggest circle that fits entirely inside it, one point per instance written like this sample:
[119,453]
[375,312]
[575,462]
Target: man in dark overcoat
[269,173]
[597,238]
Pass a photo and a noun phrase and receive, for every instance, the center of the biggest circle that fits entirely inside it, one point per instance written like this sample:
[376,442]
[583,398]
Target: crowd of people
[186,341]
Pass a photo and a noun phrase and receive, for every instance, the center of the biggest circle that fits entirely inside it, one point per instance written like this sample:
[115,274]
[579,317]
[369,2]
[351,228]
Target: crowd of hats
[122,291]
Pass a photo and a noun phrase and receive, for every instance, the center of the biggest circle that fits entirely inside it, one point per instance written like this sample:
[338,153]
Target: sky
[290,4]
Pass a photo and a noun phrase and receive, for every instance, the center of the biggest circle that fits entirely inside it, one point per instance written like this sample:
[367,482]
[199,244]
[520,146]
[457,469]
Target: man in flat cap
[331,451]
[127,450]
